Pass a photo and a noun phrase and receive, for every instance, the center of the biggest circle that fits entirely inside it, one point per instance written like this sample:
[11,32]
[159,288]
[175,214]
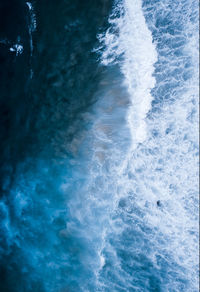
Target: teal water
[99,151]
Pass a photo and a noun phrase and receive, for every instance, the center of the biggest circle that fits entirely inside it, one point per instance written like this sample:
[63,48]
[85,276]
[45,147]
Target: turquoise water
[99,184]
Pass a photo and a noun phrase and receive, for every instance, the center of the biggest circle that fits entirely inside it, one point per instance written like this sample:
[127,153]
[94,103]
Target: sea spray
[129,42]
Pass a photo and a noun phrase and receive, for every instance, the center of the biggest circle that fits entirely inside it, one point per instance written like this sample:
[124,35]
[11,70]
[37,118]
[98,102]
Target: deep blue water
[99,146]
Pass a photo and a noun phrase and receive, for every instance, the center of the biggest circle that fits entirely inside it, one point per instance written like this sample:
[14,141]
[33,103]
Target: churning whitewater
[134,44]
[155,245]
[109,199]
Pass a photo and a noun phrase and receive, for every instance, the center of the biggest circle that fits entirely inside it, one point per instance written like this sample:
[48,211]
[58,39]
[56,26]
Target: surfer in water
[158,203]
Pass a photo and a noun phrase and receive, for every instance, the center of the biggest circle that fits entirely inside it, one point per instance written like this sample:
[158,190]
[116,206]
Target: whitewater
[141,191]
[152,236]
[119,210]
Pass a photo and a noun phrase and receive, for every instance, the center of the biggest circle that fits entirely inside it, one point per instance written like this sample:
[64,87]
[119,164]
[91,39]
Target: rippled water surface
[99,146]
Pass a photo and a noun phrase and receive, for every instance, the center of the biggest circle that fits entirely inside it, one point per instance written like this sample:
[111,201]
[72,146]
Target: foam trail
[31,29]
[163,165]
[134,42]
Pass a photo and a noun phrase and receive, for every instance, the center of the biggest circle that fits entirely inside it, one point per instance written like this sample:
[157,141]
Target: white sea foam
[164,166]
[129,38]
[114,229]
[33,24]
[32,28]
[17,48]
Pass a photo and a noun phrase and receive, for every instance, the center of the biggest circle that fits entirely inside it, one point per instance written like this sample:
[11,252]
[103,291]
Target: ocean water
[99,146]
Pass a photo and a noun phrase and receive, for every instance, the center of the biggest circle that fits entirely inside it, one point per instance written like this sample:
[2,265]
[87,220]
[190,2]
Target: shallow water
[100,125]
